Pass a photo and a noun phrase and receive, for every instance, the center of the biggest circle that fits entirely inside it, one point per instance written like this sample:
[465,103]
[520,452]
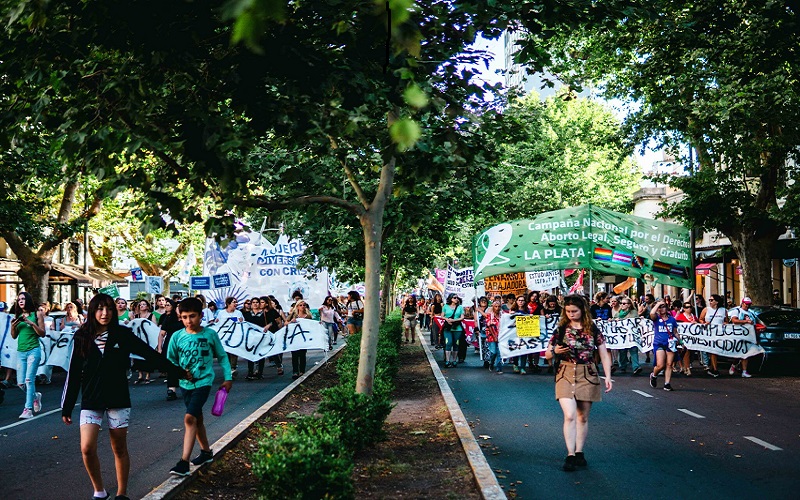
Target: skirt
[579,382]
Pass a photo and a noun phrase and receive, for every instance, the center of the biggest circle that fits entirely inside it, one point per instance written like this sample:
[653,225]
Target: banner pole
[591,283]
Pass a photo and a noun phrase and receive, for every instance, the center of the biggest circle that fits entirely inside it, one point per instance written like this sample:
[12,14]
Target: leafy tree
[722,78]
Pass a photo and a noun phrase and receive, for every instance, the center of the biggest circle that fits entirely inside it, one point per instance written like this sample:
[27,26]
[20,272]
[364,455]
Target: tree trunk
[386,288]
[372,225]
[755,256]
[35,276]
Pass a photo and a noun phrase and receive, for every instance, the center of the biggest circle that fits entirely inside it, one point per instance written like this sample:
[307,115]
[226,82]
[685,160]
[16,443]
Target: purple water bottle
[219,402]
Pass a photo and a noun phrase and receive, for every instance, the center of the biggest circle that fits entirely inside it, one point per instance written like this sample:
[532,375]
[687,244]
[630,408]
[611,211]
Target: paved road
[643,442]
[41,457]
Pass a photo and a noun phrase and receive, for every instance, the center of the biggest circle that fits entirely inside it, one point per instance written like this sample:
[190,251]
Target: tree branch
[175,256]
[384,186]
[19,247]
[351,178]
[351,207]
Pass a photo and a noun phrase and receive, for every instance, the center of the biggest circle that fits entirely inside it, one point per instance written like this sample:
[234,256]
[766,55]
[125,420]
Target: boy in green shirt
[194,349]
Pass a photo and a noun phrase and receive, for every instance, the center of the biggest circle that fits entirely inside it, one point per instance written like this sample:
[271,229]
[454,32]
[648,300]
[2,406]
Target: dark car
[778,329]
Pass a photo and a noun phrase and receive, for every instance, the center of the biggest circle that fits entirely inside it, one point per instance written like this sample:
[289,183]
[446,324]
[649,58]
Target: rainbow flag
[604,254]
[678,271]
[661,267]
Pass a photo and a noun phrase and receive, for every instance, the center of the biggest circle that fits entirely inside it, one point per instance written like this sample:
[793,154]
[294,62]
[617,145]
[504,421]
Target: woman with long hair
[169,322]
[141,310]
[300,311]
[71,320]
[434,311]
[665,343]
[492,332]
[410,318]
[714,313]
[577,380]
[355,312]
[329,317]
[520,363]
[27,327]
[274,318]
[453,314]
[687,315]
[98,371]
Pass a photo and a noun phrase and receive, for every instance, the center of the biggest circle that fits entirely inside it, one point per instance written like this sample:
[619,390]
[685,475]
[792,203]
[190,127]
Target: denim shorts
[118,418]
[354,321]
[195,399]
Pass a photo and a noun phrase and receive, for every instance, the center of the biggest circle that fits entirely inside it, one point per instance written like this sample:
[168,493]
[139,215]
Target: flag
[578,283]
[188,264]
[628,283]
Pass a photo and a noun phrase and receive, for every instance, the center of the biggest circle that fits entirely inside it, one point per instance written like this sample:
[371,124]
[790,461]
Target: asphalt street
[41,458]
[710,438]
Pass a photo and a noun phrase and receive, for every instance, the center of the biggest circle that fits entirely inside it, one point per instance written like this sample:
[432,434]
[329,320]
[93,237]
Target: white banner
[732,341]
[460,282]
[538,281]
[252,343]
[246,340]
[56,346]
[257,268]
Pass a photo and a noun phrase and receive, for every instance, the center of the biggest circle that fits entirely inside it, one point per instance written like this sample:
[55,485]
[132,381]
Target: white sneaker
[26,413]
[37,402]
[746,375]
[732,371]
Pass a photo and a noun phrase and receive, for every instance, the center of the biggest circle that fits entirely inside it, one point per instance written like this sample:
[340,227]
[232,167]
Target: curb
[175,485]
[484,475]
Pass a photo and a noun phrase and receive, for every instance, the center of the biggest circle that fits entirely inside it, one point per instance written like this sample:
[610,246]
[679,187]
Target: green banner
[587,237]
[111,290]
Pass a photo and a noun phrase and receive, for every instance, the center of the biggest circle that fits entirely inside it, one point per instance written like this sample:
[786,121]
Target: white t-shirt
[354,306]
[716,316]
[223,314]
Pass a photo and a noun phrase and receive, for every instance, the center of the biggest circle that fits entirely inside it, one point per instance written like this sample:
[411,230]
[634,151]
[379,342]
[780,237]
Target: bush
[359,416]
[305,460]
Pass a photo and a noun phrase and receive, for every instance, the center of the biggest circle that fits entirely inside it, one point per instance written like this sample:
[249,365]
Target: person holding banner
[665,343]
[713,314]
[452,329]
[300,311]
[628,311]
[435,310]
[27,327]
[98,371]
[742,316]
[230,313]
[492,332]
[577,380]
[520,363]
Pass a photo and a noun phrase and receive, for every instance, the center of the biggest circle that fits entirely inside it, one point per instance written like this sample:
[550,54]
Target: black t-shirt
[601,312]
[170,324]
[410,309]
[556,311]
[437,308]
[257,319]
[272,317]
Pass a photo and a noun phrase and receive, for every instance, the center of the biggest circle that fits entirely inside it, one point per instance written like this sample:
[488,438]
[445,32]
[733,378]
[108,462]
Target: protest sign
[137,274]
[258,268]
[587,237]
[732,341]
[221,280]
[56,346]
[470,333]
[503,284]
[542,280]
[200,282]
[252,343]
[528,326]
[110,290]
[154,284]
[461,283]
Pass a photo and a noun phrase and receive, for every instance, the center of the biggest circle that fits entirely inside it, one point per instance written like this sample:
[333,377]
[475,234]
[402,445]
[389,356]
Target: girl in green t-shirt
[26,327]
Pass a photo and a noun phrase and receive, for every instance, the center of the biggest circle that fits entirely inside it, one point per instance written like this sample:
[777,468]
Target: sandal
[147,381]
[138,381]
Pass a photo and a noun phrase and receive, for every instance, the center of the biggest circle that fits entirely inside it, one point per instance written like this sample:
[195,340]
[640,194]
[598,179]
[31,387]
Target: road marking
[691,413]
[29,419]
[642,393]
[763,443]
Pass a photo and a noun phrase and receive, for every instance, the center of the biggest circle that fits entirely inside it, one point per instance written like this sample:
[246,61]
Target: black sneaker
[205,456]
[668,387]
[637,371]
[580,459]
[121,497]
[653,381]
[713,373]
[569,463]
[171,395]
[180,469]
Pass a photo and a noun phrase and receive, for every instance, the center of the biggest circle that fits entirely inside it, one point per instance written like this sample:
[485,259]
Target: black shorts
[194,399]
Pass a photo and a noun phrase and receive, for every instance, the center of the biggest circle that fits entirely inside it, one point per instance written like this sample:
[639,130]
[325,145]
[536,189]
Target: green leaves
[405,133]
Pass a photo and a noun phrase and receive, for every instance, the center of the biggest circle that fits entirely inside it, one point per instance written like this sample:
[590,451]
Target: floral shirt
[581,345]
[492,326]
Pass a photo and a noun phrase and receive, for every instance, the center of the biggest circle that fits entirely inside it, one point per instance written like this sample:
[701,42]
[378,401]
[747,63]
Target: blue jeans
[633,354]
[495,360]
[26,373]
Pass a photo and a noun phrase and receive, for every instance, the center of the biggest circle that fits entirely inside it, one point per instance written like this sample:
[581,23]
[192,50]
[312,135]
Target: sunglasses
[687,305]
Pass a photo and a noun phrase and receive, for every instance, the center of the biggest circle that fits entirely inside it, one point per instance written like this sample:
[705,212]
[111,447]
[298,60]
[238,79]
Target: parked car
[778,330]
